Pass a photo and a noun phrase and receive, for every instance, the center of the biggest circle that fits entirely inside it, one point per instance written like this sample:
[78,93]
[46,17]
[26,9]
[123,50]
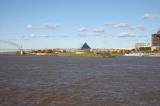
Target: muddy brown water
[79,81]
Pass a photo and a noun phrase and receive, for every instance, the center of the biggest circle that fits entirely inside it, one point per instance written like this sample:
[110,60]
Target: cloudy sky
[70,23]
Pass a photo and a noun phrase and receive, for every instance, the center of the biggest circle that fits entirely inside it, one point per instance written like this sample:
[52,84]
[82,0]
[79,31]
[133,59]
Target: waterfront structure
[156,40]
[18,48]
[139,45]
[83,49]
[85,46]
[134,54]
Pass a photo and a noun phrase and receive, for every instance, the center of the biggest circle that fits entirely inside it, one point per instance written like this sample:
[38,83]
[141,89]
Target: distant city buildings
[156,41]
[140,45]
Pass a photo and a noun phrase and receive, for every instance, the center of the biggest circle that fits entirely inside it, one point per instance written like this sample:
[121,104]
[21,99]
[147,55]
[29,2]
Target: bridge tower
[21,52]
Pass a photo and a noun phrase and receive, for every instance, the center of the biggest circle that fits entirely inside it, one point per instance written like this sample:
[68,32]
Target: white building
[139,45]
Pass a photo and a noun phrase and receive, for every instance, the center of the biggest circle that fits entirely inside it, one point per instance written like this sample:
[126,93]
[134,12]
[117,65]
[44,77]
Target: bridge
[5,50]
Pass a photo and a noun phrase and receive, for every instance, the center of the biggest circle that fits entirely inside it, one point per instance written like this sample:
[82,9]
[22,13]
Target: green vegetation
[92,52]
[81,53]
[144,49]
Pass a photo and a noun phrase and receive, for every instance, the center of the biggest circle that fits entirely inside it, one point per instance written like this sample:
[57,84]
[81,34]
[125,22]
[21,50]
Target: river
[79,81]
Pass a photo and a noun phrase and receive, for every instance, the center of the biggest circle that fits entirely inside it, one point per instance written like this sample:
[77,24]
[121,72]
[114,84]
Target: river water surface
[79,81]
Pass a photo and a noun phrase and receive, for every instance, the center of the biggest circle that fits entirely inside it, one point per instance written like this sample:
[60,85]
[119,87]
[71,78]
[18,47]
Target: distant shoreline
[94,56]
[88,55]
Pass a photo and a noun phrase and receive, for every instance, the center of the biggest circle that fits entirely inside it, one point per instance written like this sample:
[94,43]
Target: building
[139,45]
[156,40]
[83,49]
[85,46]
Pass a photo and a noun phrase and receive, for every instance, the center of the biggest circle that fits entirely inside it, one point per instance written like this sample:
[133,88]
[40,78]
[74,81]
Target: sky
[40,24]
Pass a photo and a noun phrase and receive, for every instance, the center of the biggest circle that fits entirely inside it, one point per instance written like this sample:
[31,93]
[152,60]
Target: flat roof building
[139,45]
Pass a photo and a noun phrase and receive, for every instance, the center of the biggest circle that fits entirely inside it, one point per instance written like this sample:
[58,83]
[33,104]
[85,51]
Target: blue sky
[70,23]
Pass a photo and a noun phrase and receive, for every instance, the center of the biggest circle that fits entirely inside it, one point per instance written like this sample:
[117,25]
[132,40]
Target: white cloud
[65,36]
[118,25]
[39,36]
[82,29]
[151,16]
[126,34]
[44,26]
[97,30]
[29,26]
[126,26]
[140,27]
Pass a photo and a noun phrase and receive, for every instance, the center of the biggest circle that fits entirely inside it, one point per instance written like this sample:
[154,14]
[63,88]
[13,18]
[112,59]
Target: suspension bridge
[16,47]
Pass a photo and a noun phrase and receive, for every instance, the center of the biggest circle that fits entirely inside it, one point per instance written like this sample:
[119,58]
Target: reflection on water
[75,81]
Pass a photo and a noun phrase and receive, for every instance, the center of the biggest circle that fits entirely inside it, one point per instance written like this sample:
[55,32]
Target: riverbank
[74,55]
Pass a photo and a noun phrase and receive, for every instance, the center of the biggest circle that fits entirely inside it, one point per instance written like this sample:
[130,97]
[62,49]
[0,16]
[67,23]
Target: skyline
[68,24]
